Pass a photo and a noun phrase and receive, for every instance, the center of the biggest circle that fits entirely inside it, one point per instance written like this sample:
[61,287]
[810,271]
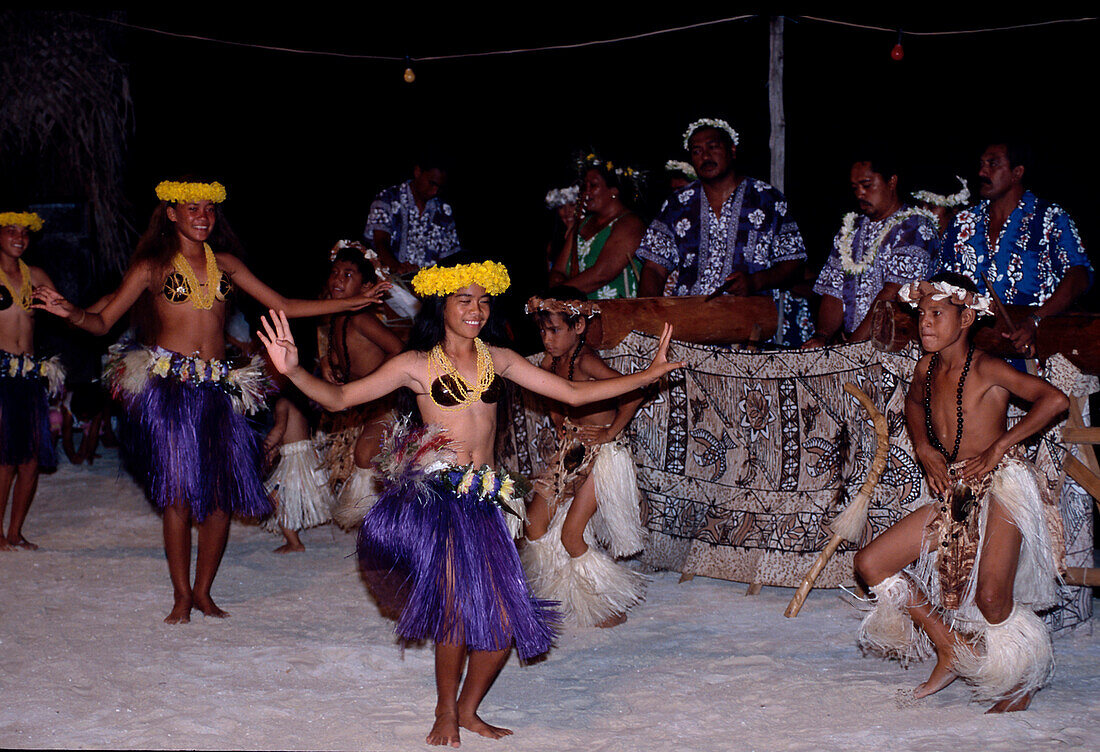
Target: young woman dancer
[436,546]
[199,456]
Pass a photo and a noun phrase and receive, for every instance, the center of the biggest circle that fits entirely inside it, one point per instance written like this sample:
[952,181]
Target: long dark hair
[158,245]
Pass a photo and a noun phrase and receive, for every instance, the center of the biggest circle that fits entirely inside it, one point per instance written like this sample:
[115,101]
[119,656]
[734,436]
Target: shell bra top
[444,390]
[177,291]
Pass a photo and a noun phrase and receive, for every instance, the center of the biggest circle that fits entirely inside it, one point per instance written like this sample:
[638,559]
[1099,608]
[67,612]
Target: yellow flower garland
[202,296]
[189,193]
[24,294]
[30,220]
[445,280]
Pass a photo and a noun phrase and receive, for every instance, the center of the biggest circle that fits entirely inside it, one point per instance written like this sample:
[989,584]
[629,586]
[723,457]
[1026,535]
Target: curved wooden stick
[849,524]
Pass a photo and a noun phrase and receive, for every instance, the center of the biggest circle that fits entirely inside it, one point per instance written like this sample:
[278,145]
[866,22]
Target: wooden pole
[777,142]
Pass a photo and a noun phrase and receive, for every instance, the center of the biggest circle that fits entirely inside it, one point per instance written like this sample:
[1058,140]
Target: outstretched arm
[593,367]
[105,312]
[390,376]
[574,393]
[293,307]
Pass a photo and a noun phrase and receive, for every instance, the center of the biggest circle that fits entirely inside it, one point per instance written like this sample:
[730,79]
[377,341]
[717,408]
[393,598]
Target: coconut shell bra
[444,391]
[177,289]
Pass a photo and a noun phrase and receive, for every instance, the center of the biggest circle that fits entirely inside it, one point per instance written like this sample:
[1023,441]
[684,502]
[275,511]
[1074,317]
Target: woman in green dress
[601,262]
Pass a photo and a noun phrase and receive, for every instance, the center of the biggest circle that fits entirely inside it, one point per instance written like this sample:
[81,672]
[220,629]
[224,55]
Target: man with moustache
[886,245]
[726,231]
[1027,247]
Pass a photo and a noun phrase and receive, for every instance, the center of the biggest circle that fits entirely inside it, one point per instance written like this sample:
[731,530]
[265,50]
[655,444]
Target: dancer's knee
[994,601]
[573,542]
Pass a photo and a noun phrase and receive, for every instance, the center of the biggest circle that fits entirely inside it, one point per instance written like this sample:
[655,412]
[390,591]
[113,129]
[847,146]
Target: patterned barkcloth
[744,457]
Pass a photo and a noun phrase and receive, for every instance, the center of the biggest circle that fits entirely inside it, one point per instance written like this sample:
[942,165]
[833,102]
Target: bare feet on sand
[612,621]
[1011,705]
[4,545]
[23,543]
[209,608]
[941,675]
[472,722]
[288,547]
[444,731]
[180,614]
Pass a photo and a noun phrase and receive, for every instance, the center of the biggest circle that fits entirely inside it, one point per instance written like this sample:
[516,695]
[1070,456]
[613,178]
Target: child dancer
[26,444]
[590,478]
[969,570]
[298,485]
[435,546]
[185,403]
[356,344]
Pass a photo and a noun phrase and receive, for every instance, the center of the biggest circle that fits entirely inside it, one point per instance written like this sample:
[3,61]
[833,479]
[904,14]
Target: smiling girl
[199,457]
[435,547]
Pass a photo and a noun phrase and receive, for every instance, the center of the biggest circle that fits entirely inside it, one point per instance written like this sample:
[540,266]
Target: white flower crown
[721,125]
[913,292]
[962,198]
[562,197]
[683,168]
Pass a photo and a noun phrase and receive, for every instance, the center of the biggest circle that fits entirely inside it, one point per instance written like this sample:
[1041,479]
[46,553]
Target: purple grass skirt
[446,562]
[24,413]
[190,447]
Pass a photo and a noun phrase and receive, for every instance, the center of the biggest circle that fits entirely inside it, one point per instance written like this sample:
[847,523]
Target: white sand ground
[306,662]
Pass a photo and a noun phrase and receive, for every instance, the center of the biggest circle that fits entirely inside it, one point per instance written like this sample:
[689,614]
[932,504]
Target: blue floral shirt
[1037,246]
[905,254]
[753,231]
[416,237]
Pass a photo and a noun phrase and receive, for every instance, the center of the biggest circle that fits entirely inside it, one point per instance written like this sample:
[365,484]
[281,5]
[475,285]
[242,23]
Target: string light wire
[578,45]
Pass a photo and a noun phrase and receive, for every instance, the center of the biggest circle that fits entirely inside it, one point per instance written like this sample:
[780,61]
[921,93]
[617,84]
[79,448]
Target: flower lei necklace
[847,234]
[465,393]
[202,296]
[24,295]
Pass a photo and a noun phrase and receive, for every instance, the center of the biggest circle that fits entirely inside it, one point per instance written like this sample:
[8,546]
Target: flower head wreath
[962,198]
[30,220]
[562,197]
[445,280]
[368,253]
[677,167]
[913,292]
[186,193]
[569,308]
[721,125]
[631,177]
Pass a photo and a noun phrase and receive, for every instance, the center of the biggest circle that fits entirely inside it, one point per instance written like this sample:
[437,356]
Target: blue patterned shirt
[753,232]
[1037,246]
[416,237]
[905,254]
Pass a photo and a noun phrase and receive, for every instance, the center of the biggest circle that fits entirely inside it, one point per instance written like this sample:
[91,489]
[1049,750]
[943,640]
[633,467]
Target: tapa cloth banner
[744,457]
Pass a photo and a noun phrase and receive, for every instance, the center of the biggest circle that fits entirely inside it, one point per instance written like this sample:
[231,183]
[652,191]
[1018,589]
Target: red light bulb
[898,52]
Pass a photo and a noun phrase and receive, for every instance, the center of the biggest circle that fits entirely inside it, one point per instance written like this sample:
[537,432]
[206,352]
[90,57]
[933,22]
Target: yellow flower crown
[187,193]
[444,280]
[30,220]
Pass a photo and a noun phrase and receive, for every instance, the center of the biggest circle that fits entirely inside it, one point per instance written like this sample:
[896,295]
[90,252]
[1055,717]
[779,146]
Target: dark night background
[303,142]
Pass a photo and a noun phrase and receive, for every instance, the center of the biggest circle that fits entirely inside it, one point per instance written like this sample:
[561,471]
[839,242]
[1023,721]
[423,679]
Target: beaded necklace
[202,296]
[463,392]
[25,292]
[932,438]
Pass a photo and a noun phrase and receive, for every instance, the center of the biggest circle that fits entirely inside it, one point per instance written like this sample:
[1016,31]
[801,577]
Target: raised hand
[49,299]
[279,342]
[660,364]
